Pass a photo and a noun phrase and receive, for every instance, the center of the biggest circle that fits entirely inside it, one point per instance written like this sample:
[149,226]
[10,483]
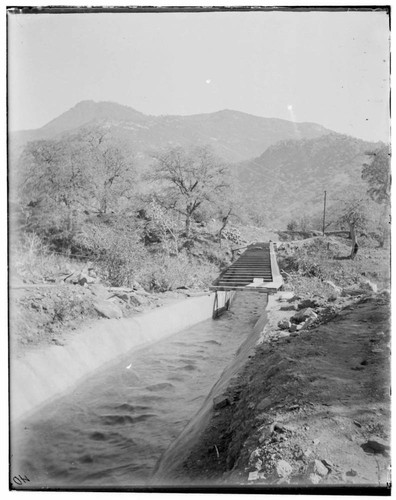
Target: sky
[330,68]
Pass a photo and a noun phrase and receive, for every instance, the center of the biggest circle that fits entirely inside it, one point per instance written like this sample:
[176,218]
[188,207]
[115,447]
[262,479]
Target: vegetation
[82,196]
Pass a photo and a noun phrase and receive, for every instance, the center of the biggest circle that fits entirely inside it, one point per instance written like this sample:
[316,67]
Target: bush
[32,260]
[161,273]
[117,251]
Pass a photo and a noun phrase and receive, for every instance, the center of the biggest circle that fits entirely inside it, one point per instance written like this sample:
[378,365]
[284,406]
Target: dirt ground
[310,410]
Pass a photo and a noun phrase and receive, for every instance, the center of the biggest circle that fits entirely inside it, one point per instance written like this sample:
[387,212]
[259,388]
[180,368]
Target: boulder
[137,300]
[314,302]
[108,309]
[336,290]
[289,307]
[369,286]
[353,291]
[99,290]
[283,468]
[121,296]
[221,401]
[314,478]
[303,315]
[284,324]
[317,467]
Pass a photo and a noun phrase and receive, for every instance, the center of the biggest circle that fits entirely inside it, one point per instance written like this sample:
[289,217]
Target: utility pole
[324,213]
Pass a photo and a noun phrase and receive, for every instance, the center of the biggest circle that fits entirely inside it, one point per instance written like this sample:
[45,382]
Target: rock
[293,328]
[254,455]
[99,290]
[317,467]
[336,289]
[137,300]
[351,473]
[221,401]
[121,296]
[253,476]
[289,307]
[285,296]
[264,403]
[83,278]
[108,310]
[137,286]
[314,478]
[303,315]
[282,335]
[353,291]
[284,324]
[369,286]
[376,448]
[283,468]
[304,304]
[329,465]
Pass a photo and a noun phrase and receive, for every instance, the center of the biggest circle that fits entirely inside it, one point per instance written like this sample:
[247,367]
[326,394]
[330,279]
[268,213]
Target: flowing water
[112,429]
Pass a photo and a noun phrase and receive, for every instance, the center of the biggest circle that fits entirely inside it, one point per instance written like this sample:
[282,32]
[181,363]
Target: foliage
[292,225]
[164,224]
[377,174]
[33,260]
[116,248]
[162,273]
[186,181]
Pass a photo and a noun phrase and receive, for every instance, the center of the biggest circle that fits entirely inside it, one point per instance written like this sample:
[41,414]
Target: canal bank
[47,372]
[308,412]
[110,431]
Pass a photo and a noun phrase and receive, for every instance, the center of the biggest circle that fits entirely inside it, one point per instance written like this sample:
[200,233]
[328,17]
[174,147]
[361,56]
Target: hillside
[289,178]
[235,136]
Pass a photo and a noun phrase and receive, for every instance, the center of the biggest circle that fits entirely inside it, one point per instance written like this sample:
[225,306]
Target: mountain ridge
[234,135]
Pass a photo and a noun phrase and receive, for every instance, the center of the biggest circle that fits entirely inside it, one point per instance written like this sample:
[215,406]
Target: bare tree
[354,213]
[188,180]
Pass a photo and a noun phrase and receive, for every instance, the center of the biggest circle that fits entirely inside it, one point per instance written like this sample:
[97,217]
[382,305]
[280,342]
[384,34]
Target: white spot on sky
[208,81]
[290,107]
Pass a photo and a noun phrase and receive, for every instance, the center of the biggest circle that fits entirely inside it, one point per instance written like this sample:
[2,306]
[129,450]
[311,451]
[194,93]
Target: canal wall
[46,373]
[169,466]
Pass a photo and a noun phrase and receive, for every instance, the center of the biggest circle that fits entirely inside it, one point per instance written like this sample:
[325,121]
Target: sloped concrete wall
[178,451]
[48,372]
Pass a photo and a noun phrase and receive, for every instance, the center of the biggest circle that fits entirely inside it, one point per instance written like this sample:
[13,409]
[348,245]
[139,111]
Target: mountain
[288,180]
[235,136]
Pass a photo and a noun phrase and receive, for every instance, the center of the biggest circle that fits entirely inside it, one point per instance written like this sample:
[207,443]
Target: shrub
[33,260]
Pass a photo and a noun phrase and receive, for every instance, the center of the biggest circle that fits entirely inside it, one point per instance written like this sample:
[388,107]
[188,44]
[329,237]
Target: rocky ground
[311,408]
[51,311]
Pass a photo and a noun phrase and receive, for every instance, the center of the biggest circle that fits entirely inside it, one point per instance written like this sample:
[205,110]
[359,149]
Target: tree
[354,213]
[187,180]
[111,170]
[163,223]
[377,174]
[53,177]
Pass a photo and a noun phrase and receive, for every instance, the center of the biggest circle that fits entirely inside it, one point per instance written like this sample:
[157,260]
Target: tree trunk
[188,225]
[355,246]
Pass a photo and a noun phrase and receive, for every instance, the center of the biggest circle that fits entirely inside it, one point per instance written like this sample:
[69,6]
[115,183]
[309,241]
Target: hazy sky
[325,67]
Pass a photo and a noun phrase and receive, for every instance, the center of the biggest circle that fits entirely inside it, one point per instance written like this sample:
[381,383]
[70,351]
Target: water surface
[112,429]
